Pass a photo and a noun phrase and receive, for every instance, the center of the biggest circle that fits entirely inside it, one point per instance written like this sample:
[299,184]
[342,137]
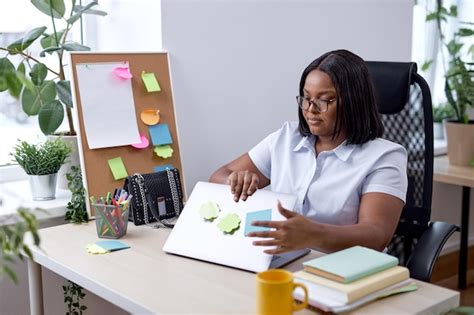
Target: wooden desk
[463,176]
[144,279]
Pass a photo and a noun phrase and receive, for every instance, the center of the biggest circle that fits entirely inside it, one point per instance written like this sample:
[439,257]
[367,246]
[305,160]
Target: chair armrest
[423,258]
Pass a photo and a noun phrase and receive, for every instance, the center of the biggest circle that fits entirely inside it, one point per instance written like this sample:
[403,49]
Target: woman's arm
[379,214]
[242,175]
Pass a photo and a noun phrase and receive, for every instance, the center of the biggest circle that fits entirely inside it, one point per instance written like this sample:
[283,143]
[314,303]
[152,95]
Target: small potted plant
[458,66]
[441,113]
[42,163]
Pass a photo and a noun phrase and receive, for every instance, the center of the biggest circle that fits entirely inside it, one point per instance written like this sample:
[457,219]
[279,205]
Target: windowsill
[16,194]
[440,147]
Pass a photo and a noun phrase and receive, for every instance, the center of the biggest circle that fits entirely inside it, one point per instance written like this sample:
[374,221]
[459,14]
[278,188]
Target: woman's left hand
[296,232]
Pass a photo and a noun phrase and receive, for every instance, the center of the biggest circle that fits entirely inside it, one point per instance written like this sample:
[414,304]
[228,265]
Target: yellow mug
[275,293]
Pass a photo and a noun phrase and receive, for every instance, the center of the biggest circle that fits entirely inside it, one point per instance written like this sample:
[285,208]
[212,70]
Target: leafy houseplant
[42,162]
[459,83]
[12,244]
[77,212]
[442,112]
[47,98]
[459,73]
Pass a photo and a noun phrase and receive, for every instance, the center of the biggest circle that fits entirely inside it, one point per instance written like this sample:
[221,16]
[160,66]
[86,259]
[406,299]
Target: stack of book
[344,280]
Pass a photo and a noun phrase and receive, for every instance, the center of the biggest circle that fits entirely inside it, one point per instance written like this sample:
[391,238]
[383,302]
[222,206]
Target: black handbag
[155,197]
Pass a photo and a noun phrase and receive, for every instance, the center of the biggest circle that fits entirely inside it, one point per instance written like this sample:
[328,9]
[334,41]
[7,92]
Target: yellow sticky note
[164,151]
[95,249]
[151,83]
[118,168]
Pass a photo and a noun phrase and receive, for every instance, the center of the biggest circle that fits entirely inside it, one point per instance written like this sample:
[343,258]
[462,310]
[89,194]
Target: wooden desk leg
[463,253]
[36,288]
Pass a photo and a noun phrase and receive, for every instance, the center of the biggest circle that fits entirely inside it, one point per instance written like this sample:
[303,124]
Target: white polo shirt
[329,186]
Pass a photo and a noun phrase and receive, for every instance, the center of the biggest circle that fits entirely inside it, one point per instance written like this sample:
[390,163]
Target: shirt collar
[342,151]
[305,142]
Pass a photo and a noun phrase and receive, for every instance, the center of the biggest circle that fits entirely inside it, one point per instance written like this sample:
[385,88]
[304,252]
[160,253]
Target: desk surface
[444,172]
[145,279]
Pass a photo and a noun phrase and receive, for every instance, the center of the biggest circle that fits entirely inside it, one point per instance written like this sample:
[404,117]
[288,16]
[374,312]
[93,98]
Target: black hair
[355,100]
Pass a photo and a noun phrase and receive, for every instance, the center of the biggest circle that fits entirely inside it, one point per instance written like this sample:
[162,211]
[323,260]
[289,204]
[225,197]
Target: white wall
[236,64]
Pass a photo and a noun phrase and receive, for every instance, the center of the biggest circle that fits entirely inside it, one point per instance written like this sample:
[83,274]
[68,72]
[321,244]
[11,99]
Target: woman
[350,183]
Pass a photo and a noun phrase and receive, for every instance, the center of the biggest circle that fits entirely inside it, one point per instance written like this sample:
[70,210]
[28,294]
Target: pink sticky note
[123,72]
[143,142]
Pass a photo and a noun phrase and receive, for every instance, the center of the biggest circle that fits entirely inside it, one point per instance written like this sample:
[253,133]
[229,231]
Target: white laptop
[195,237]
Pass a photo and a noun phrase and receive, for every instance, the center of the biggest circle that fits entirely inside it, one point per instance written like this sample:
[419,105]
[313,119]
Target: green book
[350,264]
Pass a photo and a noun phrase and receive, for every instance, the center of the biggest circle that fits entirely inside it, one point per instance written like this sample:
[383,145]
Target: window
[129,26]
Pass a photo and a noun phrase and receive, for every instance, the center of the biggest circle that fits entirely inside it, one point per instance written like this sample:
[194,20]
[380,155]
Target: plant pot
[43,187]
[73,160]
[460,139]
[438,132]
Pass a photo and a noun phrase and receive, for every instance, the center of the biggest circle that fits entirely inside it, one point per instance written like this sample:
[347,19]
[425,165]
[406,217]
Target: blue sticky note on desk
[112,245]
[262,215]
[160,134]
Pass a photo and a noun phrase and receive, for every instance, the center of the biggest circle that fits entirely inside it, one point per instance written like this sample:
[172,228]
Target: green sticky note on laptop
[350,264]
[150,81]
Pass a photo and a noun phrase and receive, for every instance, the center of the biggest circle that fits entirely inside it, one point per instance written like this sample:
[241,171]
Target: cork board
[97,176]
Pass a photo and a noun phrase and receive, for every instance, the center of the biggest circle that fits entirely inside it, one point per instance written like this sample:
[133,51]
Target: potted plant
[441,113]
[42,163]
[459,83]
[44,91]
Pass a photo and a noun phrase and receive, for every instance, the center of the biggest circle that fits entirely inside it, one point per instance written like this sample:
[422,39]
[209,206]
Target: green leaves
[80,11]
[12,245]
[38,73]
[50,44]
[6,67]
[41,159]
[426,65]
[63,88]
[56,9]
[32,101]
[24,42]
[51,116]
[73,46]
[77,212]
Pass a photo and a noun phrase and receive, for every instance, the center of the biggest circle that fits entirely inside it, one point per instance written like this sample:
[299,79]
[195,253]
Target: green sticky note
[209,210]
[151,83]
[118,168]
[164,151]
[229,223]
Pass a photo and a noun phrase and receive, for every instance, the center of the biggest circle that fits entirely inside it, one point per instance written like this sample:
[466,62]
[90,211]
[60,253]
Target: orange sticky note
[150,116]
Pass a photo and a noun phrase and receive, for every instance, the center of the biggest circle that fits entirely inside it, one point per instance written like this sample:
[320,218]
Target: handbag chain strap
[174,192]
[140,182]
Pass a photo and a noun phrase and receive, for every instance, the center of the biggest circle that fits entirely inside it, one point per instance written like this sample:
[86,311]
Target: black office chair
[404,100]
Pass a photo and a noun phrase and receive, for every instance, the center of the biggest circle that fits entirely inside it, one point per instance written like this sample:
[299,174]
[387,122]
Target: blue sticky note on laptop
[112,245]
[262,215]
[160,134]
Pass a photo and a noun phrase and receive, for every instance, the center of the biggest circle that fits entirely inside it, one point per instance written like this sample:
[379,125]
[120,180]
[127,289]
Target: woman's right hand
[242,184]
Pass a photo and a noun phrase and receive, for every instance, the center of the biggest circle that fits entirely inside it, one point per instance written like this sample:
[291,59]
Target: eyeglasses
[321,105]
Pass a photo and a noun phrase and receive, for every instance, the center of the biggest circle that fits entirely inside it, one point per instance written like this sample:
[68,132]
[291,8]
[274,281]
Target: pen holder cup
[111,220]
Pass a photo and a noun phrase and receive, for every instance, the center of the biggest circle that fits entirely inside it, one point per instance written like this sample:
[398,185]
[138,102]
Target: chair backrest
[404,102]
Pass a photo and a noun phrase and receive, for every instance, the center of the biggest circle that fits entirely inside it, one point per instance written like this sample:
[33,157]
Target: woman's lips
[313,121]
